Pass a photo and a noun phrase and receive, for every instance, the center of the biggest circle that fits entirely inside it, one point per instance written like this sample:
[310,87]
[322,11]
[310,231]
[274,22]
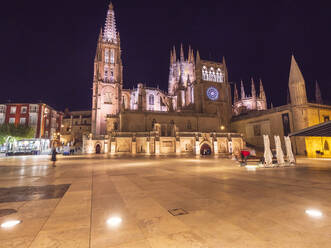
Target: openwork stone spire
[109,33]
[242,90]
[235,94]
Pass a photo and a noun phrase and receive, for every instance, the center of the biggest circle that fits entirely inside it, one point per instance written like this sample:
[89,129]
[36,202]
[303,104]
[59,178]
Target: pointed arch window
[212,74]
[106,71]
[108,98]
[112,56]
[151,99]
[326,146]
[106,55]
[219,76]
[204,73]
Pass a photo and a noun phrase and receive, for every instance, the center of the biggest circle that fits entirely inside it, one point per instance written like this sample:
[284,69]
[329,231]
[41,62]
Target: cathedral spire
[174,54]
[318,95]
[295,73]
[181,52]
[189,53]
[100,35]
[225,70]
[262,93]
[198,57]
[235,93]
[110,26]
[192,56]
[296,84]
[171,58]
[253,91]
[242,89]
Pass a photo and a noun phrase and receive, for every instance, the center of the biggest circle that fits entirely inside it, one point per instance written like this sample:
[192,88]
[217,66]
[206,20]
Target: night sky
[48,47]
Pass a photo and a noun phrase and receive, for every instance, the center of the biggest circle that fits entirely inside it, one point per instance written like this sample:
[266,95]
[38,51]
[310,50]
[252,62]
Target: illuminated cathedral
[196,115]
[193,116]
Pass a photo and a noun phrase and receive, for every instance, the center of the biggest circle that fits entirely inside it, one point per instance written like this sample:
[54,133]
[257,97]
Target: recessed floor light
[11,223]
[314,213]
[114,221]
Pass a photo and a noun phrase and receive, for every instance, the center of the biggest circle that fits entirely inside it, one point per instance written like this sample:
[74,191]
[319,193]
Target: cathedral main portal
[205,149]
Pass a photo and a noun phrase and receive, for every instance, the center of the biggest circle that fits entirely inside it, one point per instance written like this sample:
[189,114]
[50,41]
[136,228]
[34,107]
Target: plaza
[163,201]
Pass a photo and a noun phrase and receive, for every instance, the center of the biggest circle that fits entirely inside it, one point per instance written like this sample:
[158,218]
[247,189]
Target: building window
[33,108]
[326,118]
[24,110]
[2,109]
[33,120]
[106,55]
[2,120]
[112,56]
[85,122]
[106,73]
[151,99]
[204,73]
[219,76]
[13,110]
[326,146]
[22,121]
[257,130]
[11,120]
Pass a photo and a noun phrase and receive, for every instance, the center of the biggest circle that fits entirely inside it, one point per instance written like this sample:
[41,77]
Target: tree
[16,131]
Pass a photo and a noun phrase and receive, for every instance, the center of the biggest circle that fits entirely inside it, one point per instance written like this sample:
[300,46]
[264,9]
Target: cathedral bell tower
[108,75]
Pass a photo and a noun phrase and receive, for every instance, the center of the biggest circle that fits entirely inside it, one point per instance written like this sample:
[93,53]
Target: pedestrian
[53,156]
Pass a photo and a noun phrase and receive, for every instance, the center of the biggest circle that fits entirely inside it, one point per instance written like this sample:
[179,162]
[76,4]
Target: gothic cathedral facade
[192,116]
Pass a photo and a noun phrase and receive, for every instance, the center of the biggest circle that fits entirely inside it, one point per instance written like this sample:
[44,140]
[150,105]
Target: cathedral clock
[212,93]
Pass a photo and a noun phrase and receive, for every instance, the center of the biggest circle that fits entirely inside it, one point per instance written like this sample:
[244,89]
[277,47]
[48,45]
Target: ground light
[10,223]
[314,213]
[114,221]
[251,167]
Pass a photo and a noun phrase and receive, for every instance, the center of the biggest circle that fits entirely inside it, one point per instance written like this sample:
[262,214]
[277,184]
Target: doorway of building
[98,149]
[205,149]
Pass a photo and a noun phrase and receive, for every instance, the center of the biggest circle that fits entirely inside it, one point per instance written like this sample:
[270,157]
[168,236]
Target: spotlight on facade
[222,127]
[10,223]
[114,221]
[314,213]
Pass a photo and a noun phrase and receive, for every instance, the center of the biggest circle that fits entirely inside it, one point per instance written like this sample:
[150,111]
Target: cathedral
[192,117]
[196,115]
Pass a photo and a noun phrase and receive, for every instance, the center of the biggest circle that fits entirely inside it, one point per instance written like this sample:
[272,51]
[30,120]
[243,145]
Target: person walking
[53,156]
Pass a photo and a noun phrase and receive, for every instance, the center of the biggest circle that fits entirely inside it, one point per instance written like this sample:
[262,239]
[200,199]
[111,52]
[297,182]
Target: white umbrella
[289,152]
[279,151]
[267,151]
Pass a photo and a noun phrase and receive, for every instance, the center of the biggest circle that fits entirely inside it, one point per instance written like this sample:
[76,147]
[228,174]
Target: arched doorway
[98,149]
[205,149]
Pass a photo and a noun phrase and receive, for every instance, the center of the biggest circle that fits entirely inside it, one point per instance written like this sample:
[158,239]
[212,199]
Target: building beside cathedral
[296,115]
[192,117]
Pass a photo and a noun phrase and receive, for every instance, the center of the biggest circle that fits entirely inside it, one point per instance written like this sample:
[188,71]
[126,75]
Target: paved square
[124,202]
